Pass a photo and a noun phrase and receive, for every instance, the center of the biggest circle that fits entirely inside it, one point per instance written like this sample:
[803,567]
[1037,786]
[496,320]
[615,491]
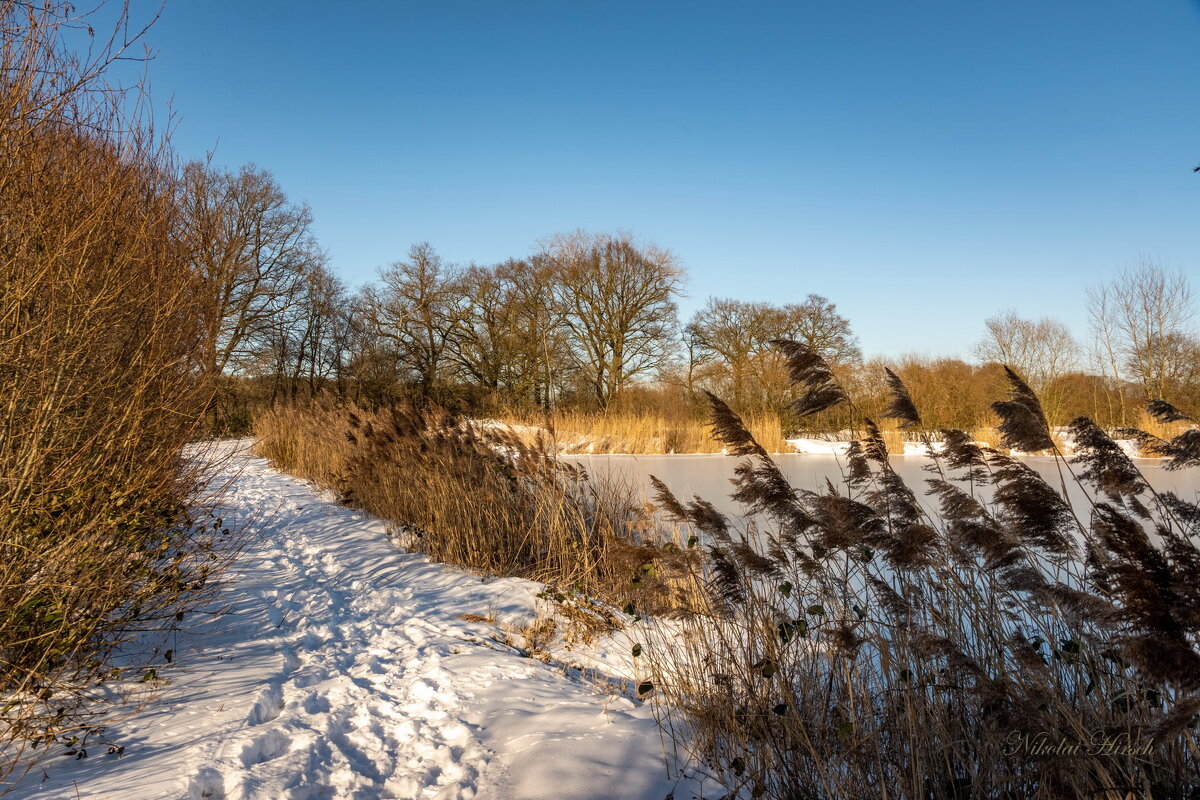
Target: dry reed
[483,499]
[636,433]
[1008,646]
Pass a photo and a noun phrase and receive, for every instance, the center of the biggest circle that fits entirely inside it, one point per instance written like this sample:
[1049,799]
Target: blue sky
[922,164]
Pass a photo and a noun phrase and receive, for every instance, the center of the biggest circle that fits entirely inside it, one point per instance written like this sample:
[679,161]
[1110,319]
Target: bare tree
[736,337]
[481,347]
[734,334]
[371,363]
[418,308]
[1042,351]
[542,346]
[1143,331]
[253,248]
[618,298]
[310,341]
[817,323]
[1104,347]
[693,362]
[509,340]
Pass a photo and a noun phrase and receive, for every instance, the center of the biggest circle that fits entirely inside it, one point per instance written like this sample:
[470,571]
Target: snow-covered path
[342,670]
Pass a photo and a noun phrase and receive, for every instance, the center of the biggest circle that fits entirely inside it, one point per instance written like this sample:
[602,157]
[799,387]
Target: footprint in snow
[268,703]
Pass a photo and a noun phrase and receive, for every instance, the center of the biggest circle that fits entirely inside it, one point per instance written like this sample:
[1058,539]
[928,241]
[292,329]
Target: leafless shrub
[99,343]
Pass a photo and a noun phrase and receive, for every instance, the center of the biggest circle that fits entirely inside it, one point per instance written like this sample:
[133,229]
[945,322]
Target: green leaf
[693,540]
[785,589]
[637,650]
[817,610]
[766,667]
[789,629]
[630,610]
[645,687]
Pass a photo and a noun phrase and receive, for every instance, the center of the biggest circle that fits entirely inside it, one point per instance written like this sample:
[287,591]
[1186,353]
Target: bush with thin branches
[99,329]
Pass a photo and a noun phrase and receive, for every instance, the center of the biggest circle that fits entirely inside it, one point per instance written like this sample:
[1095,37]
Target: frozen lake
[708,475]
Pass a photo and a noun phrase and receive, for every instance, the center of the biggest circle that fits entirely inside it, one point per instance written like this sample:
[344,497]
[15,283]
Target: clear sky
[922,164]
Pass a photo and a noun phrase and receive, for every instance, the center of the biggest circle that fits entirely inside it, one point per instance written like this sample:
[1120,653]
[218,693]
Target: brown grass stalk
[636,433]
[484,499]
[1004,646]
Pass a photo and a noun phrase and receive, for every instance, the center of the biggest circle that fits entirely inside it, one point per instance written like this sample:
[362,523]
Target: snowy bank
[343,668]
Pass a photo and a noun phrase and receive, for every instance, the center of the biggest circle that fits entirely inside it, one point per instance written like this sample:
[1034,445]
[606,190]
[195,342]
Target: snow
[831,447]
[340,668]
[819,446]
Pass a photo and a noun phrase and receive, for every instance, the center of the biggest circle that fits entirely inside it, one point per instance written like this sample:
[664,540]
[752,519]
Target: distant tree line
[590,321]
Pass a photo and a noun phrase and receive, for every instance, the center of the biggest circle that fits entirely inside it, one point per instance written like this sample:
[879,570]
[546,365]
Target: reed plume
[1023,424]
[866,646]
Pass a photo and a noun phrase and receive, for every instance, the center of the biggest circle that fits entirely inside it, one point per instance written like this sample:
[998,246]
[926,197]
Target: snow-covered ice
[342,669]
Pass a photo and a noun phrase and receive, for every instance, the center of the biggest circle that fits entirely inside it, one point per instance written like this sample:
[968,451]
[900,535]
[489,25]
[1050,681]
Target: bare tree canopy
[1041,351]
[1143,329]
[817,324]
[418,309]
[510,336]
[618,297]
[734,338]
[733,335]
[253,248]
[309,343]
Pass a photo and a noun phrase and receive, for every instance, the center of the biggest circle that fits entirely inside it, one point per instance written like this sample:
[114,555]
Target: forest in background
[588,323]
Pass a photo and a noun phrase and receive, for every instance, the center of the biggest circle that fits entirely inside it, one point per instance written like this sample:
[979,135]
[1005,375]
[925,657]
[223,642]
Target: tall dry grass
[1150,429]
[635,432]
[99,325]
[1007,645]
[484,499]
